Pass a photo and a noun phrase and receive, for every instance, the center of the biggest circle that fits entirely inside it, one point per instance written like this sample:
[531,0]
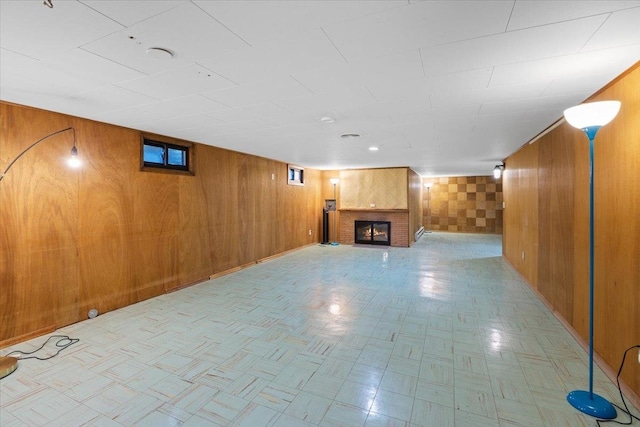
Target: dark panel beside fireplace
[373,232]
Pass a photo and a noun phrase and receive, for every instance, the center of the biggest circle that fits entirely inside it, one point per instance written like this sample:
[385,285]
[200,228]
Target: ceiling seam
[334,45]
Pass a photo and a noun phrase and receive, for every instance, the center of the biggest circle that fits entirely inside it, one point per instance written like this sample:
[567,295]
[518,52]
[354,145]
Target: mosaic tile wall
[469,204]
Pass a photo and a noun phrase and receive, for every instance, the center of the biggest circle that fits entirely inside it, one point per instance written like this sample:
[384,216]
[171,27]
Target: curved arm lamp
[335,182]
[73,160]
[497,171]
[590,117]
[10,364]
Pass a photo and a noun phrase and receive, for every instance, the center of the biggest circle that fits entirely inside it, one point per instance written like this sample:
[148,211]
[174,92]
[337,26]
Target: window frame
[295,175]
[167,143]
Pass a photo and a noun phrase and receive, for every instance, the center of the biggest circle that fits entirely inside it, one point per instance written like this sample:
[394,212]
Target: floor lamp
[9,364]
[335,182]
[428,185]
[590,117]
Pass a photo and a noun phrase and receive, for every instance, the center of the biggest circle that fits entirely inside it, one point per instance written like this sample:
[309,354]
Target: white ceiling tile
[66,26]
[20,90]
[259,92]
[176,83]
[426,87]
[511,47]
[80,64]
[158,111]
[328,100]
[265,112]
[92,102]
[487,95]
[418,25]
[127,12]
[184,30]
[568,66]
[63,80]
[209,134]
[265,21]
[533,13]
[176,123]
[191,104]
[620,29]
[307,49]
[558,103]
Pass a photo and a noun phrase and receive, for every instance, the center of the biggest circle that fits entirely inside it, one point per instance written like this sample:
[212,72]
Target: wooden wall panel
[105,217]
[520,236]
[467,204]
[38,225]
[415,204]
[555,220]
[386,188]
[554,230]
[109,235]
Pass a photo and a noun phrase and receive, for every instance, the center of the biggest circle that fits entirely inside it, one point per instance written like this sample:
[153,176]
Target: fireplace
[373,232]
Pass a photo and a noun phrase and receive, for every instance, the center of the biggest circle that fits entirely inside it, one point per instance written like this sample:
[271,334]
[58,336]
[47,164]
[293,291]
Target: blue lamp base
[592,404]
[334,243]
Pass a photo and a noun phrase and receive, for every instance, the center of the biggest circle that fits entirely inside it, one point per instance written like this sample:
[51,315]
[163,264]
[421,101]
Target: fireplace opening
[373,232]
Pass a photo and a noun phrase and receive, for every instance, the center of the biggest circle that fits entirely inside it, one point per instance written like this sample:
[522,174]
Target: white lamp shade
[592,114]
[334,181]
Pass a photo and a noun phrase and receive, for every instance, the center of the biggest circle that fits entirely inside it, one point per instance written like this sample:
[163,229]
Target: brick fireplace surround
[399,219]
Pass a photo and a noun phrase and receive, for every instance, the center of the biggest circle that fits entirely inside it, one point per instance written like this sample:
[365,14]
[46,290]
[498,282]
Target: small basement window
[162,154]
[295,175]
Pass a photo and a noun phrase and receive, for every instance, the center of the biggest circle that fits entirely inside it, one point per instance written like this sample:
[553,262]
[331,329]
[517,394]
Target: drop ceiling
[444,87]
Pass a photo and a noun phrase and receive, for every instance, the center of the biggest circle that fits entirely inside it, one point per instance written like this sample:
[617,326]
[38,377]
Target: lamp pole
[335,182]
[590,117]
[428,185]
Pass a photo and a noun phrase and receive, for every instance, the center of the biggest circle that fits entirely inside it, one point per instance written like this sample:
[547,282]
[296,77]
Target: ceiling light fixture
[327,119]
[497,171]
[350,135]
[159,53]
[373,148]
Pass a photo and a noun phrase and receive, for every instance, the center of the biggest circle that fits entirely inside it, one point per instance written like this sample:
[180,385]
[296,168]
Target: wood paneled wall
[415,204]
[467,204]
[385,188]
[546,237]
[108,235]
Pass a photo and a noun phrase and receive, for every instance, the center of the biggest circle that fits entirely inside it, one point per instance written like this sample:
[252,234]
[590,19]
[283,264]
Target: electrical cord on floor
[63,342]
[626,408]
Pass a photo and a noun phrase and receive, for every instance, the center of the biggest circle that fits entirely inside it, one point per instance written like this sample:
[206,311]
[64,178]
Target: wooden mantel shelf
[374,210]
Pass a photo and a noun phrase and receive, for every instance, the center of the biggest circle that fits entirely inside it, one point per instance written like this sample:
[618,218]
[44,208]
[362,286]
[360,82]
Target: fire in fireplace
[373,232]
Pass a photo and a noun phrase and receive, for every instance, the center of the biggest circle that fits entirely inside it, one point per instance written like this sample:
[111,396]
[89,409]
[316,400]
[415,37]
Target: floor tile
[442,333]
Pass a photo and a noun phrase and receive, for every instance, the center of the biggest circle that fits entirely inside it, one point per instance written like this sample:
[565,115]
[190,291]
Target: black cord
[626,408]
[63,342]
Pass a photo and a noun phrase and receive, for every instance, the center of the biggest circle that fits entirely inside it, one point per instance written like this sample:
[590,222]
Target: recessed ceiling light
[159,53]
[350,135]
[373,148]
[327,119]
